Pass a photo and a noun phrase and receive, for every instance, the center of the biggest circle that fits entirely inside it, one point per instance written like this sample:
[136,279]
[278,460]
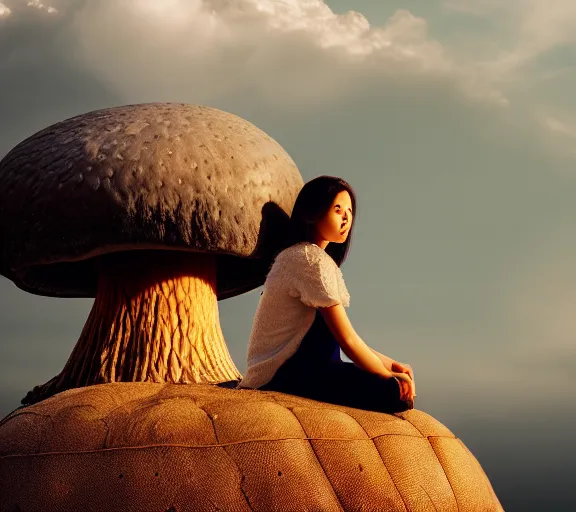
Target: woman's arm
[387,361]
[350,343]
[358,351]
[394,366]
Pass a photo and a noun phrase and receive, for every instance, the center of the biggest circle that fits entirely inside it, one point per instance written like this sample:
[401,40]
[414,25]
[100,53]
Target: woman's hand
[398,367]
[406,386]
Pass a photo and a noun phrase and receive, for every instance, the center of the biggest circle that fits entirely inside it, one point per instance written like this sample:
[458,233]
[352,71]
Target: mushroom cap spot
[139,177]
[202,447]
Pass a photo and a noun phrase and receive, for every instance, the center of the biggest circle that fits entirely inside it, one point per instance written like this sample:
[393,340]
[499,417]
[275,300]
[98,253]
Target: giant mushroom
[158,211]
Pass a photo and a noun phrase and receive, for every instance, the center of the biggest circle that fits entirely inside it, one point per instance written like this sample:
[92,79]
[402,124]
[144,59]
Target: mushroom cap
[143,446]
[138,177]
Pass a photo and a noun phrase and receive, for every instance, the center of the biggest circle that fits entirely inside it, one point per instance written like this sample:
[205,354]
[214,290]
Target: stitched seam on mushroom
[371,438]
[429,497]
[319,463]
[200,446]
[15,414]
[436,455]
[445,474]
[475,462]
[229,456]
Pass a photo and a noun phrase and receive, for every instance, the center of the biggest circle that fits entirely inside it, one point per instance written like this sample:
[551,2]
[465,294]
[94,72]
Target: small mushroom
[157,211]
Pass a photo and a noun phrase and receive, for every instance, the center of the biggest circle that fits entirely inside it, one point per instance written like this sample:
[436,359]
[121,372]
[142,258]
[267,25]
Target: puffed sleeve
[318,283]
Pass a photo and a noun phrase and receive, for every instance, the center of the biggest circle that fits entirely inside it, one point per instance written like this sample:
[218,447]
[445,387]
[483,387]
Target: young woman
[301,324]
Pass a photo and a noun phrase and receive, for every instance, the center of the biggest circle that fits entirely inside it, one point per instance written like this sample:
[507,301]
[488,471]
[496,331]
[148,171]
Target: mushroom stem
[155,319]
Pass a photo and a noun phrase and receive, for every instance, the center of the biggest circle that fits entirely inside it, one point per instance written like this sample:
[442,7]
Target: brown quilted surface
[141,446]
[148,176]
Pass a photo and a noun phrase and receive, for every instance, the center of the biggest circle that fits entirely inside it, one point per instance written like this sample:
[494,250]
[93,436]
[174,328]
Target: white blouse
[302,278]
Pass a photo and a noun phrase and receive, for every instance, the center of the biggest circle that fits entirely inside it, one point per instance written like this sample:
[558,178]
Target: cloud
[300,53]
[532,28]
[525,51]
[39,5]
[287,53]
[4,11]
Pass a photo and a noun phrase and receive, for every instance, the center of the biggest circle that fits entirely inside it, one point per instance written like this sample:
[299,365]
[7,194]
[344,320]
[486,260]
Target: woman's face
[335,225]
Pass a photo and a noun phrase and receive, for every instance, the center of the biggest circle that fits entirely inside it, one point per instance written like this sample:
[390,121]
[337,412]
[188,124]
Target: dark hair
[312,203]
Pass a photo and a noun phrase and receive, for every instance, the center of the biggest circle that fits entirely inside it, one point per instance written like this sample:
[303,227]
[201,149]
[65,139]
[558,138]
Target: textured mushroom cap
[142,446]
[150,176]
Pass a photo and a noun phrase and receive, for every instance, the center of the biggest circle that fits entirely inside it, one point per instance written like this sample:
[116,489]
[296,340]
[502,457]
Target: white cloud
[299,52]
[534,27]
[521,56]
[4,11]
[285,51]
[39,5]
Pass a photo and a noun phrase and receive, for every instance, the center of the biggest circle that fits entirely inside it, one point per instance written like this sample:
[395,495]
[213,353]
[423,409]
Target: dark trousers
[316,371]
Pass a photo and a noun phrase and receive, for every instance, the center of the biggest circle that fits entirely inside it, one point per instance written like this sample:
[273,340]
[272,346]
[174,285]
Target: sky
[454,121]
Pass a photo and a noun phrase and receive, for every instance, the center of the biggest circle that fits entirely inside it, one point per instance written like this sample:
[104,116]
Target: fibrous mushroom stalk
[154,319]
